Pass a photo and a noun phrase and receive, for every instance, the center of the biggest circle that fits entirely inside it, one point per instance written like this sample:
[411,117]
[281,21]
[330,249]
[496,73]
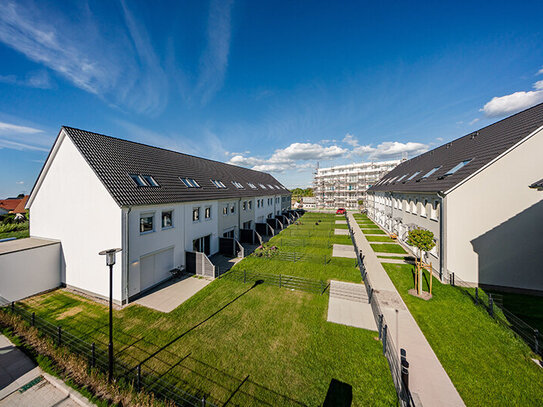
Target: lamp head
[110,255]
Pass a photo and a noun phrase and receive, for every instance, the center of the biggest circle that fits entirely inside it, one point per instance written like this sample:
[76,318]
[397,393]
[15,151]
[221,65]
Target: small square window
[244,205]
[146,223]
[195,214]
[233,208]
[207,212]
[225,210]
[250,205]
[167,219]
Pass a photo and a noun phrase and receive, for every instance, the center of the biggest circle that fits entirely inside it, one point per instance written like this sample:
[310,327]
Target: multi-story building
[344,185]
[158,206]
[473,194]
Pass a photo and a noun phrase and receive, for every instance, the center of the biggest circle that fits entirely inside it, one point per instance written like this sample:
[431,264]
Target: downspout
[441,236]
[126,256]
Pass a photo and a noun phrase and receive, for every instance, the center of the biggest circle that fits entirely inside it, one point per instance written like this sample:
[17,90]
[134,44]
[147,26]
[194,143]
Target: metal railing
[240,252]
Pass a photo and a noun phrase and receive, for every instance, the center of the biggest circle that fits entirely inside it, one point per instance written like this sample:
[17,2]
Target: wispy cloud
[17,137]
[214,60]
[39,79]
[93,56]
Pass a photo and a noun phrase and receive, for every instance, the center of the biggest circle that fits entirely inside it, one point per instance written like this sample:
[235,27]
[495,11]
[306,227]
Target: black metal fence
[278,280]
[96,354]
[397,362]
[493,305]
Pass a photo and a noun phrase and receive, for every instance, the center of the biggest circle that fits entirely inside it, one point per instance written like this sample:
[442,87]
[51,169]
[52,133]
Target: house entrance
[202,244]
[229,234]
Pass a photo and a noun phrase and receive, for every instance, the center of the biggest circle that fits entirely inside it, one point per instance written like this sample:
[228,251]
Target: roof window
[218,183]
[253,186]
[431,172]
[144,180]
[237,185]
[413,176]
[457,167]
[402,177]
[190,183]
[262,186]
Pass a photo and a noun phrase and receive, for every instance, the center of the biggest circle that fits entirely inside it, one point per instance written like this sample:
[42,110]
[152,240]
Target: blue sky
[276,86]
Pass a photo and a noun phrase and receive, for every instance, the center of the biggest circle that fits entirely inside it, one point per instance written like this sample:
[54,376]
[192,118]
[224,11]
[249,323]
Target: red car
[340,211]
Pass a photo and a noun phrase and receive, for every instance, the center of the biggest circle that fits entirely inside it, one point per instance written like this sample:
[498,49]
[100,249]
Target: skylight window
[253,186]
[190,183]
[237,185]
[270,186]
[431,172]
[413,176]
[262,186]
[402,177]
[392,180]
[218,183]
[150,180]
[138,179]
[457,167]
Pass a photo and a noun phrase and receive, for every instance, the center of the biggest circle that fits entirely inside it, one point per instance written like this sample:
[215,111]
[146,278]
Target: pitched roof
[113,159]
[481,147]
[20,208]
[10,204]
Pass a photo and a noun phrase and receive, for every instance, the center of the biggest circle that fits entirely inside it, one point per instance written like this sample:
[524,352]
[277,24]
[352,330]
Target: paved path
[348,305]
[429,383]
[23,384]
[343,250]
[341,231]
[172,294]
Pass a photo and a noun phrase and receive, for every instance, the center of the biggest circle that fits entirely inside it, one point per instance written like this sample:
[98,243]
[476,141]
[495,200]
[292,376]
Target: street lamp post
[110,261]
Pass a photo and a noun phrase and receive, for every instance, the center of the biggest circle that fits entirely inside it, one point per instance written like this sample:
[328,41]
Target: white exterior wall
[494,222]
[73,206]
[28,272]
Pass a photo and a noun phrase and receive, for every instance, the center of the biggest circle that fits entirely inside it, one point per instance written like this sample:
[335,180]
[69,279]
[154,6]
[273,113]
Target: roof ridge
[161,148]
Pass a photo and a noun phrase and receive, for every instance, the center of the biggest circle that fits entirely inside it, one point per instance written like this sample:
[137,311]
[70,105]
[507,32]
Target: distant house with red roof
[13,205]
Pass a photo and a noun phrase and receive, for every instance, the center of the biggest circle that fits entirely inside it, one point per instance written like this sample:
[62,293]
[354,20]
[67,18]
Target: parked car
[340,211]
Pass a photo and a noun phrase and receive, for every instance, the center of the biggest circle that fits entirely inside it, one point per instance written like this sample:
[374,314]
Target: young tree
[424,241]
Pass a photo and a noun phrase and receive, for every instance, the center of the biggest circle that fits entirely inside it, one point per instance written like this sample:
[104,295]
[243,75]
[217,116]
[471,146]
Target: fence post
[404,372]
[204,401]
[371,295]
[380,327]
[452,279]
[59,330]
[244,276]
[33,319]
[138,382]
[536,340]
[476,295]
[93,353]
[491,305]
[385,328]
[13,306]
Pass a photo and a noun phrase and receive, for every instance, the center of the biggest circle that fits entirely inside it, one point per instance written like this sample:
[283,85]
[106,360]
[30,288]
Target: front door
[229,234]
[202,244]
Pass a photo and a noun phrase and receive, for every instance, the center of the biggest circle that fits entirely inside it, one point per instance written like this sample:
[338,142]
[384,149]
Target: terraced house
[155,204]
[473,194]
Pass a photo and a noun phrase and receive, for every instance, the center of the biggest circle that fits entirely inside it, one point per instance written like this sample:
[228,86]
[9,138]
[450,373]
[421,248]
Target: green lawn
[388,248]
[487,363]
[396,257]
[276,337]
[17,230]
[374,231]
[379,239]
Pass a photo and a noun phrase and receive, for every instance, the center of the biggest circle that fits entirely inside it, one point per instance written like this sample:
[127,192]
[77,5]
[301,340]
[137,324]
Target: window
[237,185]
[244,205]
[146,223]
[253,186]
[167,219]
[413,176]
[402,177]
[218,184]
[225,210]
[270,186]
[150,180]
[195,214]
[233,208]
[138,180]
[262,186]
[190,183]
[457,167]
[250,205]
[431,172]
[207,212]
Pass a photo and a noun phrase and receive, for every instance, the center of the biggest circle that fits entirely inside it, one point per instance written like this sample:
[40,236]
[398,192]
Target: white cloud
[306,151]
[20,182]
[394,149]
[18,137]
[40,80]
[538,85]
[540,72]
[474,121]
[215,57]
[513,103]
[349,139]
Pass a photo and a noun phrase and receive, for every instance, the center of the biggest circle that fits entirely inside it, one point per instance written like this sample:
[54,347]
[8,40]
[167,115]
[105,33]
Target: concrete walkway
[341,231]
[22,383]
[348,305]
[343,250]
[429,383]
[171,295]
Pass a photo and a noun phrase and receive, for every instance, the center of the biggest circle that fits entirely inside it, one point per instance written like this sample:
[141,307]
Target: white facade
[344,185]
[70,204]
[487,228]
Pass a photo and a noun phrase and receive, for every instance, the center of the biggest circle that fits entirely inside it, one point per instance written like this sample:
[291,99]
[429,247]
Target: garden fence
[493,305]
[97,357]
[278,280]
[397,362]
